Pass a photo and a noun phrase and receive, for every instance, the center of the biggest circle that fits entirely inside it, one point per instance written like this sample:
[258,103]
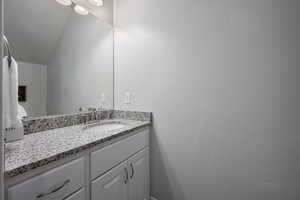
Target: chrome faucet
[93,113]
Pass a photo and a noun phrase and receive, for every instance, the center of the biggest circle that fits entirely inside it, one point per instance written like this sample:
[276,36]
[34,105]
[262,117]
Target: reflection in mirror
[65,59]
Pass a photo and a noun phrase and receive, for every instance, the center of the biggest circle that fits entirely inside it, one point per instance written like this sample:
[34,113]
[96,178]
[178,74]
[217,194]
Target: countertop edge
[41,163]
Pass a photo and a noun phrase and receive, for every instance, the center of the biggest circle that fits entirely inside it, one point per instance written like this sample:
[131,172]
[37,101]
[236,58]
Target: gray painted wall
[82,67]
[221,80]
[34,77]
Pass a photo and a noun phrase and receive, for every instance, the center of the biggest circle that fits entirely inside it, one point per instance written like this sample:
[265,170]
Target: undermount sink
[104,126]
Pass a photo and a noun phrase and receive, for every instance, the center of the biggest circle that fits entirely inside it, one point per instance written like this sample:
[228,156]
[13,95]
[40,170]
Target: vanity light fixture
[64,2]
[81,10]
[96,2]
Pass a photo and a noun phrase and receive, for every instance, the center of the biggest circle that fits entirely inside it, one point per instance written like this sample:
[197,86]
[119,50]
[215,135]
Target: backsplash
[33,125]
[132,115]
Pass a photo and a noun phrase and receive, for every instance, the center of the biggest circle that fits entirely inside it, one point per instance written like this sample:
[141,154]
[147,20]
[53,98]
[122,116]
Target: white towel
[13,127]
[21,112]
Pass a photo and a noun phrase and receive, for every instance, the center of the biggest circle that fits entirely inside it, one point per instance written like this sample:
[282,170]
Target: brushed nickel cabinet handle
[132,171]
[54,190]
[126,175]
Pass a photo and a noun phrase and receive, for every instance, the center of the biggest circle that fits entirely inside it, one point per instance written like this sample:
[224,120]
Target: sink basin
[104,126]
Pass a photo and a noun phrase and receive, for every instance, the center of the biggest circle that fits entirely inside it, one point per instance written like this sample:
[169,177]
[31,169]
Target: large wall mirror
[65,58]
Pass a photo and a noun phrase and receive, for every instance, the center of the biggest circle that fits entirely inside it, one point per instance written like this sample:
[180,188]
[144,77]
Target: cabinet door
[112,185]
[138,167]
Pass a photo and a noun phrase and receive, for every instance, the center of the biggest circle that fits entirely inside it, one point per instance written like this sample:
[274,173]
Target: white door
[112,185]
[138,167]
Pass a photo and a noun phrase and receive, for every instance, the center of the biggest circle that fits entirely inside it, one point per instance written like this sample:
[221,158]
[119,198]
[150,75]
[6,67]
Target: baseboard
[152,198]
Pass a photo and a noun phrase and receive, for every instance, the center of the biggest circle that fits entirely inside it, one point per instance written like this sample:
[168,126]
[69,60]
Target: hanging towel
[13,127]
[21,112]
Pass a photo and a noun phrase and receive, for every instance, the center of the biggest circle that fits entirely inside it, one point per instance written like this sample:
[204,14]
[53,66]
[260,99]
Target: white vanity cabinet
[129,178]
[138,184]
[127,181]
[110,186]
[115,171]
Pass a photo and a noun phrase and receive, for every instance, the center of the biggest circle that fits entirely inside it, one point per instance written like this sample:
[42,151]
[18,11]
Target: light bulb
[64,2]
[96,2]
[81,10]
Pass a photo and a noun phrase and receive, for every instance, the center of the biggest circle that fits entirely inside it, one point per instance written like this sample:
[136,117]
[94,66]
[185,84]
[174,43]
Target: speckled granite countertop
[41,148]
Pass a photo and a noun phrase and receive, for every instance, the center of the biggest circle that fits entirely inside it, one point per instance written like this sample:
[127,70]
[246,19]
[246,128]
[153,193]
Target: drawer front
[80,195]
[108,157]
[55,184]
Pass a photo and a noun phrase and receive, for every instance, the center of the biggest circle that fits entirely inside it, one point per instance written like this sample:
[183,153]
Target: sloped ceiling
[33,28]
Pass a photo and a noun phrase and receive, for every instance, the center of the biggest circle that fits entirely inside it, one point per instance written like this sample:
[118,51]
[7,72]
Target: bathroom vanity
[81,162]
[76,146]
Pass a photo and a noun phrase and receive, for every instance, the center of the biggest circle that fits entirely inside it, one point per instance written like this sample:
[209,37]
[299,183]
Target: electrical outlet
[127,99]
[102,98]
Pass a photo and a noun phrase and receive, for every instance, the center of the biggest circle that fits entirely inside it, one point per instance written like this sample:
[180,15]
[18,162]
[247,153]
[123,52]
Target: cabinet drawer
[108,157]
[80,195]
[55,184]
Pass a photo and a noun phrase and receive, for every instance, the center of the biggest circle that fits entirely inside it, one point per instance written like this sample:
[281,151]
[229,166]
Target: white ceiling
[33,28]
